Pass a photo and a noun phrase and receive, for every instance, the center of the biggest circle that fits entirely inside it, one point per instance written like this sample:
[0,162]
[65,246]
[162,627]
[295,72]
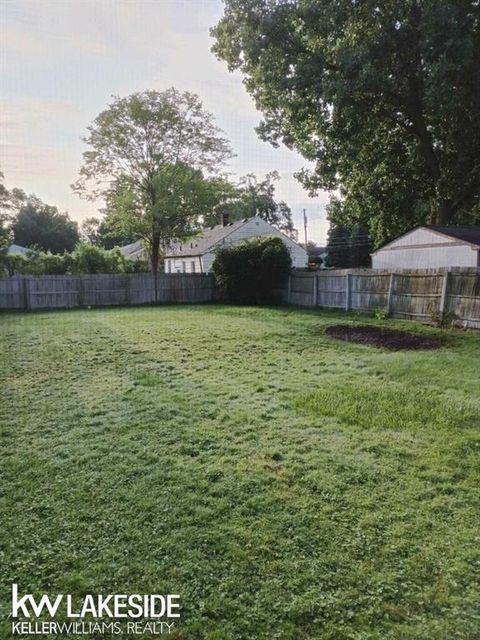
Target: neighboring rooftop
[16,249]
[205,241]
[468,233]
[133,251]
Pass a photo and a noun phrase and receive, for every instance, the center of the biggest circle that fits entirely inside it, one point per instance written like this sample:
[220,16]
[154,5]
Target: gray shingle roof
[133,251]
[205,241]
[16,249]
[467,233]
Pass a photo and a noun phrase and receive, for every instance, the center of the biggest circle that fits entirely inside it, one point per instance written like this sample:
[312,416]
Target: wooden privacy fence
[427,295]
[63,292]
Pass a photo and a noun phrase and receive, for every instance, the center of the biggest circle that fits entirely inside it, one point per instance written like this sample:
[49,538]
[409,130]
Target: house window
[184,267]
[193,266]
[169,266]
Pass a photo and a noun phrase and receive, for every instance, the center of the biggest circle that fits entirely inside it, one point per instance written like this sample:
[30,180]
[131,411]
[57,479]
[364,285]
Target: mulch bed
[391,339]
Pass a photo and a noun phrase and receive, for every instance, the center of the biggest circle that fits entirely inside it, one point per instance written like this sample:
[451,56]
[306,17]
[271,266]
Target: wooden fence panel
[417,296]
[141,289]
[423,295]
[63,292]
[331,290]
[463,298]
[301,289]
[420,295]
[50,292]
[369,291]
[104,290]
[12,293]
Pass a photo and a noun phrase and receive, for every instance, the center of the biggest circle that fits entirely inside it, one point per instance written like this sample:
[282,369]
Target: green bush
[250,271]
[86,259]
[11,265]
[48,263]
[89,258]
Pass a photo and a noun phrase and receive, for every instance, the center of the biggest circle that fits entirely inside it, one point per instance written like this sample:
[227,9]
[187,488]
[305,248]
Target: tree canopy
[39,225]
[348,247]
[147,157]
[383,98]
[250,197]
[258,198]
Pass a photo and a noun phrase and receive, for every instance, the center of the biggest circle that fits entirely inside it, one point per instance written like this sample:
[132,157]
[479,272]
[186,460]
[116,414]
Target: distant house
[17,250]
[197,254]
[430,247]
[135,251]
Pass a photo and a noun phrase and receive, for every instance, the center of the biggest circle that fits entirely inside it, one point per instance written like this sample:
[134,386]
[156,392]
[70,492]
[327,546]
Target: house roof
[17,249]
[205,241]
[469,233]
[133,251]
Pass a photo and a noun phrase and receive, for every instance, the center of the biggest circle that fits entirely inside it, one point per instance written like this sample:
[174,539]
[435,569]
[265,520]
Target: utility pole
[305,226]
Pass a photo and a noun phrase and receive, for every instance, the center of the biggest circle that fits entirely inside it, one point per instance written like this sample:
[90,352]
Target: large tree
[103,233]
[147,156]
[383,98]
[251,197]
[39,225]
[338,247]
[258,198]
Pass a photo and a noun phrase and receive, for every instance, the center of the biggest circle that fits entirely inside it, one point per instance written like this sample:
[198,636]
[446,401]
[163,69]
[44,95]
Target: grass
[286,485]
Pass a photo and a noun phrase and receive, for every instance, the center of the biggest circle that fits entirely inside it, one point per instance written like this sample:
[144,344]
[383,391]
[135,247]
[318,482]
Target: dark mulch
[391,339]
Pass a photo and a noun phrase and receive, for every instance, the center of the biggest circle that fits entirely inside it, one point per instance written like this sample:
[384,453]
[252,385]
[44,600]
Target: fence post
[315,288]
[391,292]
[347,292]
[27,292]
[443,297]
[289,289]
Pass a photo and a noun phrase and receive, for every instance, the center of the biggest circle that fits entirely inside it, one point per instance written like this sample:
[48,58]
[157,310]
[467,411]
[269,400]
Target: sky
[62,60]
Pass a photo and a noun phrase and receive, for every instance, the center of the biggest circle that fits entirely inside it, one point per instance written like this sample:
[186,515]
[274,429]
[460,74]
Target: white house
[430,247]
[17,250]
[197,254]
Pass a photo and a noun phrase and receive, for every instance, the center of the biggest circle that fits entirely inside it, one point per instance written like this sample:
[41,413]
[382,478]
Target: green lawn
[284,484]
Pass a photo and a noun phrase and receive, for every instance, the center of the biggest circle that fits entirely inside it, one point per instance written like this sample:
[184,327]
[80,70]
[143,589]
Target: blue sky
[61,61]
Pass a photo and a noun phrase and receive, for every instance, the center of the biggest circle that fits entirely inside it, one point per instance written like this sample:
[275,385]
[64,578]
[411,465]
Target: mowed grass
[286,485]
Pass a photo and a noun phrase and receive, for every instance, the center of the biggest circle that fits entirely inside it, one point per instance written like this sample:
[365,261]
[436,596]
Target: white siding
[207,260]
[420,236]
[253,228]
[425,249]
[257,227]
[183,264]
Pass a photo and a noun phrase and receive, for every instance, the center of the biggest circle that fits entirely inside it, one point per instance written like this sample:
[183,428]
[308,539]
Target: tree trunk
[445,212]
[442,214]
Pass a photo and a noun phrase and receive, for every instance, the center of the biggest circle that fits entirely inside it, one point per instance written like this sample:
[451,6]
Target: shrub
[89,258]
[250,271]
[11,265]
[86,259]
[136,266]
[48,263]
